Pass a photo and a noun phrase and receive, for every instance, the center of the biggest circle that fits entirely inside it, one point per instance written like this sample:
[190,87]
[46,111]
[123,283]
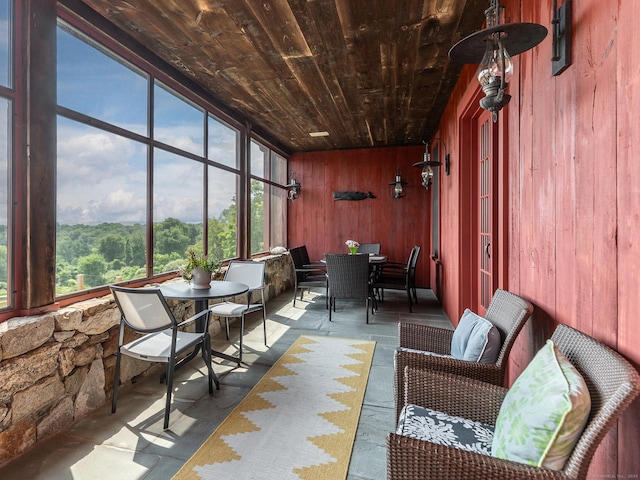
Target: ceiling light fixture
[492,48]
[318,134]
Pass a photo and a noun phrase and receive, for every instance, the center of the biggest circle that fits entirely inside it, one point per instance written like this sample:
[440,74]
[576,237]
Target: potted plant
[353,246]
[198,268]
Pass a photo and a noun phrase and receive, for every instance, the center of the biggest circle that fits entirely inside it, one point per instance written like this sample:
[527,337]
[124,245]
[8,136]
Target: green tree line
[111,252]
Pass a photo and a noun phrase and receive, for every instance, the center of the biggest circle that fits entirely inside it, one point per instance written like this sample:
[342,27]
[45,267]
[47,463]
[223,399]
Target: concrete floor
[131,444]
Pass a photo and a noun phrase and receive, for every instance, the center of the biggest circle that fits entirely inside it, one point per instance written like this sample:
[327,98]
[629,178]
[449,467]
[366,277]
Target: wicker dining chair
[369,248]
[349,277]
[395,276]
[612,381]
[507,311]
[307,275]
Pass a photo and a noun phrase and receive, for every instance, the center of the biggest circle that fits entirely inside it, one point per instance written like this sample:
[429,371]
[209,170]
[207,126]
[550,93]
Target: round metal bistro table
[201,297]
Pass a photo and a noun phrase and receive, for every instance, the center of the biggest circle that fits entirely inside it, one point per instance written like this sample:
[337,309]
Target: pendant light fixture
[398,185]
[492,48]
[428,165]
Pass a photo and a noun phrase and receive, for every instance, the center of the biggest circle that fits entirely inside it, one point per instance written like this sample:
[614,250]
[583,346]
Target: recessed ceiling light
[318,134]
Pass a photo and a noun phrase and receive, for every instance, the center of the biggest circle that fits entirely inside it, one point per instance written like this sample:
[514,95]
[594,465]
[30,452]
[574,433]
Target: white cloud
[103,178]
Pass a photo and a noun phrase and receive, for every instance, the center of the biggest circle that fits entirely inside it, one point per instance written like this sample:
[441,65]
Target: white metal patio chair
[251,274]
[145,311]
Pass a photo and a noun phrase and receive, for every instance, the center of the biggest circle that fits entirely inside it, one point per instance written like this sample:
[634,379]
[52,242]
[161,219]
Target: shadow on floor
[131,444]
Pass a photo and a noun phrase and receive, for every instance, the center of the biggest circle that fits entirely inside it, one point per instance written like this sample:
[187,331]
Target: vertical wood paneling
[628,221]
[538,229]
[595,186]
[454,195]
[324,224]
[570,145]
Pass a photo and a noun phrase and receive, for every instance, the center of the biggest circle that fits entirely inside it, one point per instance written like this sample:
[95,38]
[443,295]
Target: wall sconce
[428,165]
[398,185]
[293,187]
[492,48]
[561,46]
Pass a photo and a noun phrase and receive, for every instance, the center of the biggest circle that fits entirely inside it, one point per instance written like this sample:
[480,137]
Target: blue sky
[101,176]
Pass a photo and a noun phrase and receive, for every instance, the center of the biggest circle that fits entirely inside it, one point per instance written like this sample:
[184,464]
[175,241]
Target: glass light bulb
[491,69]
[398,188]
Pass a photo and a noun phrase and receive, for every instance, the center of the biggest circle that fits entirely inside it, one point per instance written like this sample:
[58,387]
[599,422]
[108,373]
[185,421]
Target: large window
[101,174]
[222,144]
[268,201]
[7,99]
[135,192]
[101,205]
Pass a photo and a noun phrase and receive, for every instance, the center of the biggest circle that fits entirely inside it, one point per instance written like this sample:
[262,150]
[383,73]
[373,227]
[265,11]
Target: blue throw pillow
[475,339]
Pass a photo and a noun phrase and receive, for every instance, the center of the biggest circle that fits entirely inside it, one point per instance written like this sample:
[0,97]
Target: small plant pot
[201,279]
[353,250]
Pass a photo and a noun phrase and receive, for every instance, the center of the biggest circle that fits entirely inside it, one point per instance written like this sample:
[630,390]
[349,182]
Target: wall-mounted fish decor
[352,195]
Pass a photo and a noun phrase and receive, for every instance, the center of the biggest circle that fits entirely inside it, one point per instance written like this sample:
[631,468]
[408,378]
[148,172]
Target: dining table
[374,258]
[201,296]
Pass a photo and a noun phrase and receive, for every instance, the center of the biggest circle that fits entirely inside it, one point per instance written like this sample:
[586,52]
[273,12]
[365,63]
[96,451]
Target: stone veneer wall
[58,367]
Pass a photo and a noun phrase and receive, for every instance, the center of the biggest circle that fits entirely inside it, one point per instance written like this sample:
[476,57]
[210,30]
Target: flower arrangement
[208,263]
[353,246]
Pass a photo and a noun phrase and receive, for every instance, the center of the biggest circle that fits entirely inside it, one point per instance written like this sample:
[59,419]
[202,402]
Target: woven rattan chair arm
[316,266]
[485,372]
[410,459]
[394,264]
[312,271]
[453,394]
[390,268]
[425,338]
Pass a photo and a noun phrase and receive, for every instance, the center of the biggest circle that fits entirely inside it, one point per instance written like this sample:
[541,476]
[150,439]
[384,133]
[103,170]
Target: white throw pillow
[543,413]
[475,339]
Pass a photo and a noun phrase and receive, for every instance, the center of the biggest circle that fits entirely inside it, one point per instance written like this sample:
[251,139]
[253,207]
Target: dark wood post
[39,262]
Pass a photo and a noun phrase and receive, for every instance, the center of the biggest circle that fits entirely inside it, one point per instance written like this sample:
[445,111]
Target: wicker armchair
[348,278]
[307,275]
[612,381]
[507,311]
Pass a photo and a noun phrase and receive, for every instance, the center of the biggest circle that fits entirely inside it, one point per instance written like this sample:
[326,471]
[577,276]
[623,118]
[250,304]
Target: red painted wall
[569,197]
[324,224]
[571,191]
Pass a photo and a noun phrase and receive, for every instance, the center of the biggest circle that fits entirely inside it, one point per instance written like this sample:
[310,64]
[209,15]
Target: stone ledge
[59,367]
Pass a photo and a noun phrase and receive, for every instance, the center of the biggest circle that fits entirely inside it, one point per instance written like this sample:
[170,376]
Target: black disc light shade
[492,48]
[517,38]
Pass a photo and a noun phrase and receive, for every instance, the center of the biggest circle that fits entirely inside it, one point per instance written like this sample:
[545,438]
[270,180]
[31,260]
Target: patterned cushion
[444,429]
[543,413]
[475,339]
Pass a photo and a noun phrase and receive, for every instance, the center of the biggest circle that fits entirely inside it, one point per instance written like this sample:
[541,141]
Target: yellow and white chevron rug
[298,422]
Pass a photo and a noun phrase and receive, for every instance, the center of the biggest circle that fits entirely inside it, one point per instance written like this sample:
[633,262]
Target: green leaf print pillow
[543,413]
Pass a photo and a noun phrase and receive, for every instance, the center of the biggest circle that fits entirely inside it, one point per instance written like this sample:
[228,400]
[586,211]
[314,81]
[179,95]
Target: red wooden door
[487,210]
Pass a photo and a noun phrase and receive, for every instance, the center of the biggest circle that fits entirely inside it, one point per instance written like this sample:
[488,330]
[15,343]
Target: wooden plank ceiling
[369,72]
